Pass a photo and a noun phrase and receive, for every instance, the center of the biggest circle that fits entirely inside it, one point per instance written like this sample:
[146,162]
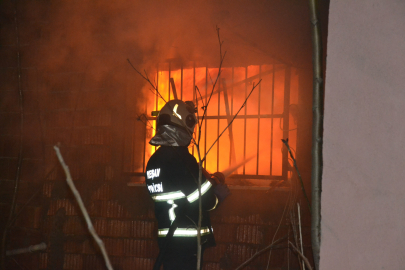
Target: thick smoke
[98,36]
[94,39]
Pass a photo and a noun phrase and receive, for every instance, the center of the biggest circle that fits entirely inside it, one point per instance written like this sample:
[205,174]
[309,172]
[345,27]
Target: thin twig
[212,82]
[298,172]
[222,57]
[230,123]
[299,226]
[201,98]
[199,210]
[261,252]
[152,91]
[146,121]
[83,209]
[279,224]
[23,267]
[301,255]
[25,204]
[199,250]
[294,225]
[199,157]
[145,77]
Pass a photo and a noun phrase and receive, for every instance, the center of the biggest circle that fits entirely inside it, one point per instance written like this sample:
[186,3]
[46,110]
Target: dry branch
[298,172]
[146,78]
[222,57]
[199,156]
[201,98]
[83,209]
[299,226]
[230,123]
[301,255]
[273,245]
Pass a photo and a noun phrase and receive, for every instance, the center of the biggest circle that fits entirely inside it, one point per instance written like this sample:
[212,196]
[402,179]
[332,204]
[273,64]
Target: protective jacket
[172,181]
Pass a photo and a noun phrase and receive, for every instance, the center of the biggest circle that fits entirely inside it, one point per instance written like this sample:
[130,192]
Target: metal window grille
[256,131]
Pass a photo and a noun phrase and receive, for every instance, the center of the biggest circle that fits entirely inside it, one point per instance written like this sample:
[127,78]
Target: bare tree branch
[146,78]
[22,208]
[83,209]
[299,224]
[230,123]
[298,172]
[273,245]
[146,123]
[222,57]
[199,157]
[199,210]
[201,98]
[301,255]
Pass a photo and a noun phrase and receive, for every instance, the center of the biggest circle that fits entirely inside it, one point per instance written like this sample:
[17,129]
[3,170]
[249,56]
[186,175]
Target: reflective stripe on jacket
[171,178]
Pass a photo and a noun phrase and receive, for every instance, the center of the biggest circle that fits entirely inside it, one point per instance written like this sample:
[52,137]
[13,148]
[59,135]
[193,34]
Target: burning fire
[260,121]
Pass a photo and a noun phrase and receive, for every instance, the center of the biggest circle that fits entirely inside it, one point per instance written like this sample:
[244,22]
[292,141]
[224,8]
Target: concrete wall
[363,214]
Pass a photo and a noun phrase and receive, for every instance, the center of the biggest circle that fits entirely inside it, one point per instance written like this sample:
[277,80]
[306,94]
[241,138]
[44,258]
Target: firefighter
[172,182]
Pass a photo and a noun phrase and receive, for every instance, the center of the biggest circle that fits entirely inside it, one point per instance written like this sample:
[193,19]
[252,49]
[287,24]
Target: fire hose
[219,177]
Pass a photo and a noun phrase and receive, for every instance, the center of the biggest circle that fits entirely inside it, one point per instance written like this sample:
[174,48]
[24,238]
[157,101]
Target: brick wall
[69,103]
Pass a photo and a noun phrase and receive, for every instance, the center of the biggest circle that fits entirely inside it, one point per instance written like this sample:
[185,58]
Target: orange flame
[263,133]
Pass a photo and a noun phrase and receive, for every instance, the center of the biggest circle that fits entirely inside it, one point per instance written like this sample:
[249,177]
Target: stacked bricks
[240,233]
[129,240]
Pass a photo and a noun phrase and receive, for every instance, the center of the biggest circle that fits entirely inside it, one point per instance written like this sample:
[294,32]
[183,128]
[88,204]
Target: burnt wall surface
[66,82]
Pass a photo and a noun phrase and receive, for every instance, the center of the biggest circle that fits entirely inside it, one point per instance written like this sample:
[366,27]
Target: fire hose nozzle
[218,177]
[215,178]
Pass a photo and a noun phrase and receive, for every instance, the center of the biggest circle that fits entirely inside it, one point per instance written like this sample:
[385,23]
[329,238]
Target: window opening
[255,133]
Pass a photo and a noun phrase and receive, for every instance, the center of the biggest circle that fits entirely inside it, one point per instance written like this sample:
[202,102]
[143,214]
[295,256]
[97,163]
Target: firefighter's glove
[221,191]
[218,177]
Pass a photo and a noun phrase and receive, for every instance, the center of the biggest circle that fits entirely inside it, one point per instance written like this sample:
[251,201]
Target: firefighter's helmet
[178,113]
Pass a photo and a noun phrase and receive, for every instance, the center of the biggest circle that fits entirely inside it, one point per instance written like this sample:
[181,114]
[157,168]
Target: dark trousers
[181,254]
